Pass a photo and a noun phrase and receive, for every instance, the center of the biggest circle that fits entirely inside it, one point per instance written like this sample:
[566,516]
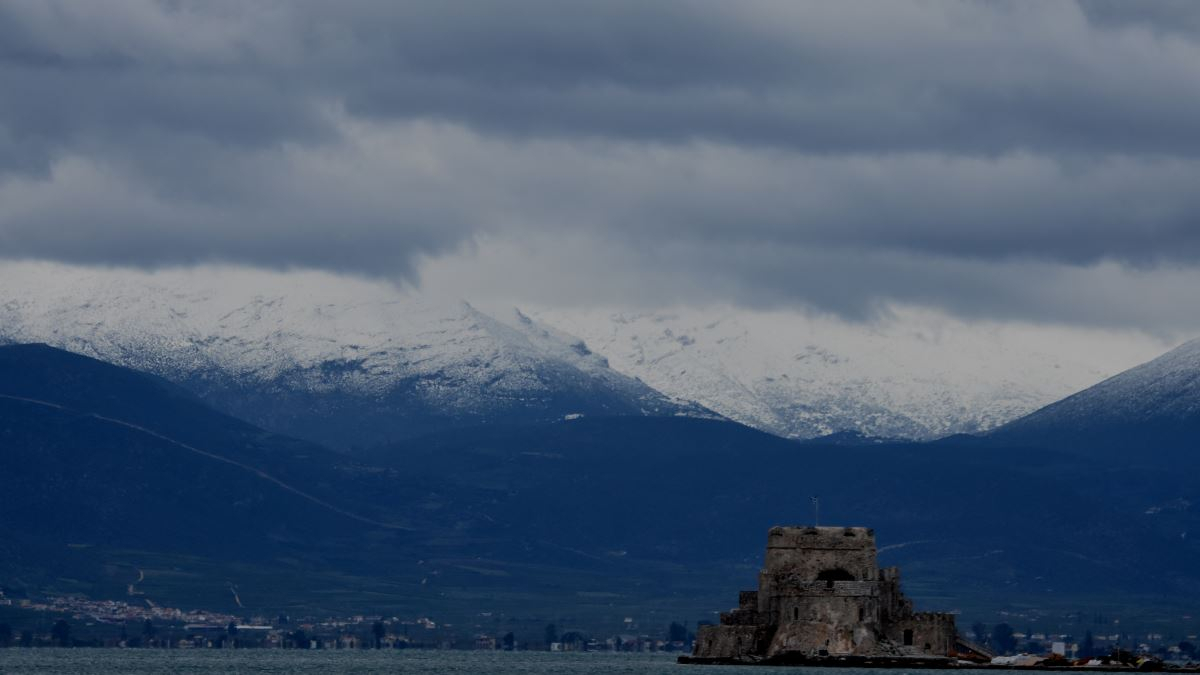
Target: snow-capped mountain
[341,361]
[913,374]
[348,361]
[1154,406]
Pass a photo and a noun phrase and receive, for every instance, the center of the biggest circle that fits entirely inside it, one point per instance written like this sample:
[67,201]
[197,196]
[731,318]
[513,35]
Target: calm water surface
[137,661]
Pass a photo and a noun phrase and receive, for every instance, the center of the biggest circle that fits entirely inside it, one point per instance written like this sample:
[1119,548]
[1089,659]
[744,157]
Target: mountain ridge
[352,363]
[912,375]
[353,366]
[1154,405]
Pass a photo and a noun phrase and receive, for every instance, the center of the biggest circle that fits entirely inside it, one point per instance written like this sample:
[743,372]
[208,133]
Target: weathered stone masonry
[821,594]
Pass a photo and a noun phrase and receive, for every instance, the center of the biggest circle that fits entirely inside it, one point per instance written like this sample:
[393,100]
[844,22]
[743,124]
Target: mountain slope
[912,374]
[1153,408]
[52,394]
[972,528]
[113,476]
[334,360]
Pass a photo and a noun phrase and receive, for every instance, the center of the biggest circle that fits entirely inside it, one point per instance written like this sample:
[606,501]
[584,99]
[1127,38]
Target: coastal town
[74,621]
[83,622]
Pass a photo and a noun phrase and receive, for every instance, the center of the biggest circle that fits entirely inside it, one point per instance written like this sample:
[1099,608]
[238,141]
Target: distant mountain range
[352,363]
[112,475]
[339,362]
[911,375]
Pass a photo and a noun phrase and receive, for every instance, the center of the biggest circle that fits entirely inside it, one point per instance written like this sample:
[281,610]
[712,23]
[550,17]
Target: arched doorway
[834,574]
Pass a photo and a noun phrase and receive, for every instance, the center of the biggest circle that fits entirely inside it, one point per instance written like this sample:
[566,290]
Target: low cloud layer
[1026,160]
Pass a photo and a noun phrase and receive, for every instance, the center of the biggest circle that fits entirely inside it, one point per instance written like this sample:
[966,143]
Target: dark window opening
[862,614]
[928,646]
[795,614]
[835,574]
[908,637]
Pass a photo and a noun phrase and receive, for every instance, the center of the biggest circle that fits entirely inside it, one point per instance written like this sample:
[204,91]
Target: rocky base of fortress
[922,662]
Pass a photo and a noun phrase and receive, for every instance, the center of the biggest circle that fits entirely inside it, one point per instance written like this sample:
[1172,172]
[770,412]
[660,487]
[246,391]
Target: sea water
[415,662]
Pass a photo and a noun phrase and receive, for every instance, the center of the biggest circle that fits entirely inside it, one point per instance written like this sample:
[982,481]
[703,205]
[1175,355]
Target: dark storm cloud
[893,137]
[831,77]
[1164,16]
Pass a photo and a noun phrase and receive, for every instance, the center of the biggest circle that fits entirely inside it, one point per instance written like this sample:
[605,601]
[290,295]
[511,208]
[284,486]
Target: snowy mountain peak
[914,374]
[334,358]
[254,343]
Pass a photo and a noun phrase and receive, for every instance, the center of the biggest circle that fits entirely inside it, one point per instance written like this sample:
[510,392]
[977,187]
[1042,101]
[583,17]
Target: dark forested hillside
[110,474]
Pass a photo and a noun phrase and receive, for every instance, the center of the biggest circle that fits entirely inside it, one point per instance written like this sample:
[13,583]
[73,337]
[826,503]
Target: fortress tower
[821,594]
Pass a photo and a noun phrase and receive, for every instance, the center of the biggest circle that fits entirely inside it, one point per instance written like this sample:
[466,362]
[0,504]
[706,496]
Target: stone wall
[743,617]
[925,633]
[827,625]
[819,638]
[786,585]
[732,642]
[808,551]
[893,606]
[748,600]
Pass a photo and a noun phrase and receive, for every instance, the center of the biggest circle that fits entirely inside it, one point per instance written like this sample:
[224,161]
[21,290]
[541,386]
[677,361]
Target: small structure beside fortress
[823,599]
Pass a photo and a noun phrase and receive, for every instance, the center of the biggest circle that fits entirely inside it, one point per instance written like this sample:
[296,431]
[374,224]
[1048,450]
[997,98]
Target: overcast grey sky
[1028,160]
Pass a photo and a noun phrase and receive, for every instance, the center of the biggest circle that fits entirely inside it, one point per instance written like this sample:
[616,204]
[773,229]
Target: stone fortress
[822,597]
